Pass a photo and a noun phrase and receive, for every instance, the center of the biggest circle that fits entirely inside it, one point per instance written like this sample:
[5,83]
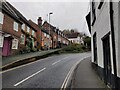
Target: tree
[87,42]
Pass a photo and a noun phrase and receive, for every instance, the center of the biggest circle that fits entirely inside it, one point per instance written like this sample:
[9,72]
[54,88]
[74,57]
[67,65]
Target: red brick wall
[8,26]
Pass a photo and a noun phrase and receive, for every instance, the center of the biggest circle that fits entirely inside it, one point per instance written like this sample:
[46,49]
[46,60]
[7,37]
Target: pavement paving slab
[85,76]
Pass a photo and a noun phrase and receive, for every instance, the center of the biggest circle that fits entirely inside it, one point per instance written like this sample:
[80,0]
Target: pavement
[85,77]
[6,61]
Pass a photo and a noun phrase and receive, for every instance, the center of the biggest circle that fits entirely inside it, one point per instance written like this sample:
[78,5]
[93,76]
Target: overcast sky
[67,14]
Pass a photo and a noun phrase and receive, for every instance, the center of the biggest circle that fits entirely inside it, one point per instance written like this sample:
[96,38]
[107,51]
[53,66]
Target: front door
[107,60]
[7,46]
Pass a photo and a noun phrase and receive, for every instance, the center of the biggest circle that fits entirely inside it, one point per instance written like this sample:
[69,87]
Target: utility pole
[49,29]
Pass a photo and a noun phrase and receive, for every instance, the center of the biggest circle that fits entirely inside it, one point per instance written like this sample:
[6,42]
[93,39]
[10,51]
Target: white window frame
[22,36]
[45,34]
[23,26]
[33,32]
[28,29]
[1,40]
[15,44]
[1,17]
[15,26]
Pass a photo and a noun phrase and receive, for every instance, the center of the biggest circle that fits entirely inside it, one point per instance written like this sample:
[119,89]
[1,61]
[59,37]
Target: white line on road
[56,62]
[29,77]
[24,65]
[64,85]
[59,61]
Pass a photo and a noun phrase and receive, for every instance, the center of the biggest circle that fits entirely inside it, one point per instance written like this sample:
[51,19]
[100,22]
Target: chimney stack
[39,21]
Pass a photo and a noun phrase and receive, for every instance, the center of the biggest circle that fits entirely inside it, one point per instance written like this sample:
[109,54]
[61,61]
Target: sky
[67,14]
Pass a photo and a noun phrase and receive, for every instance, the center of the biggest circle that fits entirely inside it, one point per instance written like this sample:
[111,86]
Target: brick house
[10,31]
[38,33]
[46,42]
[53,33]
[28,33]
[16,32]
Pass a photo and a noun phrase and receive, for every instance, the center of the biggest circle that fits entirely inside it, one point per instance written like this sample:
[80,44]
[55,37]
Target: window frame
[28,28]
[23,26]
[2,17]
[14,26]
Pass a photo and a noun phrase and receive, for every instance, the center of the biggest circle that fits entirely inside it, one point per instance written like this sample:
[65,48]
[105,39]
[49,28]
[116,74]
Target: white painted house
[75,38]
[105,40]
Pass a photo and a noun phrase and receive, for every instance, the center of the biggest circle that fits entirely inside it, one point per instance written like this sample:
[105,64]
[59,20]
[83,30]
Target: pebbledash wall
[102,27]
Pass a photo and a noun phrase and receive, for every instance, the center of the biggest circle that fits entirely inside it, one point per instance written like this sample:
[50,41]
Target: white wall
[102,27]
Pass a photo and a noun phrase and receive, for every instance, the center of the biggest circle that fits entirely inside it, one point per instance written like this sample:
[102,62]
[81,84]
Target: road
[49,72]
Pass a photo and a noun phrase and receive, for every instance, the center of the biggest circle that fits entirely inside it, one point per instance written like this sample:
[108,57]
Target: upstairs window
[45,34]
[28,29]
[15,26]
[93,13]
[1,18]
[23,26]
[101,3]
[33,32]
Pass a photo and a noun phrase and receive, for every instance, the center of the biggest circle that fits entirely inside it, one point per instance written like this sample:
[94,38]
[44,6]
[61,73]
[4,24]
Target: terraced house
[18,35]
[10,31]
[105,40]
[28,33]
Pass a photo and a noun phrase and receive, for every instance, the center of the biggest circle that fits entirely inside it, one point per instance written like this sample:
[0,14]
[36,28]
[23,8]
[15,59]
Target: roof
[51,26]
[72,35]
[6,7]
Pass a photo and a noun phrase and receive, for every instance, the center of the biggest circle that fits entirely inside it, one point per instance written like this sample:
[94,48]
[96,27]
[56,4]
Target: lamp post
[49,29]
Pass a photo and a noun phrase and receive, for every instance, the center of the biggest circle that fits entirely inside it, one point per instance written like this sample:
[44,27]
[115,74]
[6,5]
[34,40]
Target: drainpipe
[113,43]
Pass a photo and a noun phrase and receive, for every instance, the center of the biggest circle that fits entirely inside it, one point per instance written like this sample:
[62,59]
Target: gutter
[113,43]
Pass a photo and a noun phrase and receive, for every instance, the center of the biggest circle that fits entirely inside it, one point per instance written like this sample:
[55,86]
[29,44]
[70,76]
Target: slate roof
[7,9]
[72,35]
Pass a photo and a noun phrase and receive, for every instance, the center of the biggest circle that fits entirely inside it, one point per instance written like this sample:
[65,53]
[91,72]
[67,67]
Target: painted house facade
[75,38]
[105,40]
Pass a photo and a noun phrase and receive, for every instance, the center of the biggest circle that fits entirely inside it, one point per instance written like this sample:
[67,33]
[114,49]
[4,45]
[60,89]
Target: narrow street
[45,73]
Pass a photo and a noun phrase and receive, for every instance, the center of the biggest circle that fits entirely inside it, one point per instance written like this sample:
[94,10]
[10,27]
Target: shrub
[73,48]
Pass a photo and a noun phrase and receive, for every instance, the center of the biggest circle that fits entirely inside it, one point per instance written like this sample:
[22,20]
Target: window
[100,5]
[1,18]
[28,29]
[23,26]
[15,26]
[33,32]
[14,44]
[45,34]
[93,13]
[1,40]
[22,39]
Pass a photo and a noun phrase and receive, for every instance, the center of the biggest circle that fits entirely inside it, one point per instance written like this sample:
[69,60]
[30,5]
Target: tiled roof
[8,9]
[72,35]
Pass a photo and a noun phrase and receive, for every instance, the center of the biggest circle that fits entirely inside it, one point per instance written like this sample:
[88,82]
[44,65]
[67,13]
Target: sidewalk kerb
[69,76]
[43,54]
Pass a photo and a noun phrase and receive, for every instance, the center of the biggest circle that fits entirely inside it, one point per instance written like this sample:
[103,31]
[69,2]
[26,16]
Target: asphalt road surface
[49,72]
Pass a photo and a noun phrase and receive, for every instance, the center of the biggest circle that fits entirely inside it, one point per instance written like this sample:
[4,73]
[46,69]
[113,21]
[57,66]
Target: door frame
[107,59]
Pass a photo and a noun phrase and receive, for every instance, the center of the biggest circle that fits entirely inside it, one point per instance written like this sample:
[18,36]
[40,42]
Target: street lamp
[49,29]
